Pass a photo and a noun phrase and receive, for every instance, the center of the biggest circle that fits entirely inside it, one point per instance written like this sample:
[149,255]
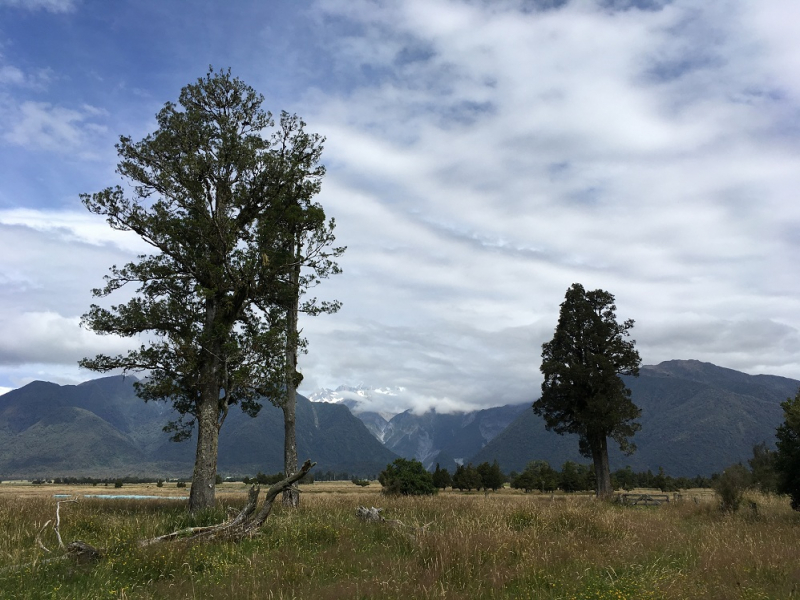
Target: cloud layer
[481,158]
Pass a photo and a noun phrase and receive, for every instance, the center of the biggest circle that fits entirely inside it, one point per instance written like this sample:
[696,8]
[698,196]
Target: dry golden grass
[507,545]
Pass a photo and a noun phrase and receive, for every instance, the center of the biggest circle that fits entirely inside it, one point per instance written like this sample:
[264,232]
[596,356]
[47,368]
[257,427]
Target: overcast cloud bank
[481,158]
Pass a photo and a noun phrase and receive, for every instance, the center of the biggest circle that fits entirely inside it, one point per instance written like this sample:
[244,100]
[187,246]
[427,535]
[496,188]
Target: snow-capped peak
[326,395]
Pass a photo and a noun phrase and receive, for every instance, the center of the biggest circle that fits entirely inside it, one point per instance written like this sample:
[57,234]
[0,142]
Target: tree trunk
[291,496]
[602,472]
[204,477]
[203,491]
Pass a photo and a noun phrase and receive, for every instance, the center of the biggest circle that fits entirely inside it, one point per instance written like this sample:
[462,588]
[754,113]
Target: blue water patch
[124,497]
[134,497]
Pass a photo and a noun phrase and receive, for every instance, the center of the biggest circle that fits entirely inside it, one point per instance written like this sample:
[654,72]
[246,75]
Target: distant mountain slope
[443,438]
[697,418]
[100,428]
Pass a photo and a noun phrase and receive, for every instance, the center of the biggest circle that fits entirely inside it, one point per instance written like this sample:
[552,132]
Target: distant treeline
[573,477]
[537,476]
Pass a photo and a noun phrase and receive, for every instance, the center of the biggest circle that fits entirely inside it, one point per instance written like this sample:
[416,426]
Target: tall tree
[205,188]
[787,458]
[302,251]
[582,392]
[442,478]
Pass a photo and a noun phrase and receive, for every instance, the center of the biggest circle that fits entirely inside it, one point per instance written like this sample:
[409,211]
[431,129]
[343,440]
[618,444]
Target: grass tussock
[473,546]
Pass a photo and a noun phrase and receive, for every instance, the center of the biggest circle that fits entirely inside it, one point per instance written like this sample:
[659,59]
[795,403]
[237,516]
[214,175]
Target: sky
[482,156]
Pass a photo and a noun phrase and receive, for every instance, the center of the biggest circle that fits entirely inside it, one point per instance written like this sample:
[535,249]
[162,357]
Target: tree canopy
[215,197]
[582,392]
[406,477]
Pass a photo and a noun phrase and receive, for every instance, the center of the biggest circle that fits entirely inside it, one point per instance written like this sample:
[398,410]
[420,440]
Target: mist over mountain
[430,437]
[386,402]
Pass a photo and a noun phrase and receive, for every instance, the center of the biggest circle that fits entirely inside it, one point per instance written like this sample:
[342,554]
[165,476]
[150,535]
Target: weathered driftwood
[246,523]
[373,515]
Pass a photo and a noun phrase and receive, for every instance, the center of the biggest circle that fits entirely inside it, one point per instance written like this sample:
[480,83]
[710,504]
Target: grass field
[504,545]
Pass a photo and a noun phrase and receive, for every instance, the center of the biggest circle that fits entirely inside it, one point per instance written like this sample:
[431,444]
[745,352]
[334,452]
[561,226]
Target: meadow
[502,545]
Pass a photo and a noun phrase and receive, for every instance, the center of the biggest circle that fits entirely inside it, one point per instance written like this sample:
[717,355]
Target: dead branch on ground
[245,524]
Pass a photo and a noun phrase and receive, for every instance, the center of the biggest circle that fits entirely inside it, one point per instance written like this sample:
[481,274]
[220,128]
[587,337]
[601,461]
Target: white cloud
[11,75]
[73,226]
[50,263]
[50,338]
[39,125]
[54,6]
[482,159]
[638,151]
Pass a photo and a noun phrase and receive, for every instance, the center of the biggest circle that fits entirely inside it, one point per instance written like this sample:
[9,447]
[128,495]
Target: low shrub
[407,478]
[730,487]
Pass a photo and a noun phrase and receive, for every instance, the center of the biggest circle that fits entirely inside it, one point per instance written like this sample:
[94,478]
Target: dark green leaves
[582,392]
[225,199]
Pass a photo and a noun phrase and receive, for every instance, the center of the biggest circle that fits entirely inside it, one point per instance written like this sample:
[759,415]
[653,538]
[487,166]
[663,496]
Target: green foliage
[762,469]
[582,392]
[360,482]
[492,477]
[787,460]
[118,483]
[663,482]
[731,485]
[227,209]
[201,191]
[467,478]
[624,478]
[406,478]
[160,483]
[538,475]
[181,484]
[442,478]
[576,477]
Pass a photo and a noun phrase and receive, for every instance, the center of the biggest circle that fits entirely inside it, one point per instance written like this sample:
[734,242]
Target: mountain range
[100,428]
[697,419]
[430,437]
